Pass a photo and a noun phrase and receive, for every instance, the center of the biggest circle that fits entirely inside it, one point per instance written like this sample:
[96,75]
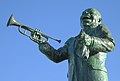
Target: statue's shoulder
[105,31]
[70,40]
[104,28]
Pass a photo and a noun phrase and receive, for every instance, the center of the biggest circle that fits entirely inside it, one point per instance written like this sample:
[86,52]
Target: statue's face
[90,18]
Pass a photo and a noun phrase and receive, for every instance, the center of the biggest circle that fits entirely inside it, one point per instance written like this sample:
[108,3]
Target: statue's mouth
[86,18]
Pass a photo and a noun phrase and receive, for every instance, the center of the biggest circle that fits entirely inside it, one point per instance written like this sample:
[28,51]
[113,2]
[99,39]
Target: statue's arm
[104,43]
[53,54]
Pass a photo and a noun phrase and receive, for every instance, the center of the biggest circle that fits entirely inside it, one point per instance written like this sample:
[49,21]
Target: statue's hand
[36,37]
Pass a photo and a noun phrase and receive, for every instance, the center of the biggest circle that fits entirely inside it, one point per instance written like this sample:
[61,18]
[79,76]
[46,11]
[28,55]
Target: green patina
[86,52]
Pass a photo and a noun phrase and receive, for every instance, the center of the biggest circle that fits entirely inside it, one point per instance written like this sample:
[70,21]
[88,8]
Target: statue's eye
[85,12]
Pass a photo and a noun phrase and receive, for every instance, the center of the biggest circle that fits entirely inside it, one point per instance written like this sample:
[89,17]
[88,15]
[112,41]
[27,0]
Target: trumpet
[13,22]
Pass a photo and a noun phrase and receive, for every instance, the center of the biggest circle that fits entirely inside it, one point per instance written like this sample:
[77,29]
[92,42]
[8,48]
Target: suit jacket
[80,68]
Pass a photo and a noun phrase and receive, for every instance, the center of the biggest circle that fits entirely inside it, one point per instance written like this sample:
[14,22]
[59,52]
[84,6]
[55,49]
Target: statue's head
[90,18]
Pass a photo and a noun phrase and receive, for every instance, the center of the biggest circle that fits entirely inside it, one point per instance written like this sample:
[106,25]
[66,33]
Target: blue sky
[20,58]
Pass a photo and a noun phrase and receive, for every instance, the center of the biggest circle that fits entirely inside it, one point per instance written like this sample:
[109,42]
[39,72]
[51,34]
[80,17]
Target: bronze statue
[86,53]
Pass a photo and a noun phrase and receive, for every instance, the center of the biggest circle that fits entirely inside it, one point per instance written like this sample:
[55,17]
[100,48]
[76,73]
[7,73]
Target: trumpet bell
[12,21]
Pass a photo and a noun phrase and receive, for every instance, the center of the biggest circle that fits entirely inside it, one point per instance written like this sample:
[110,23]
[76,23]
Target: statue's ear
[100,20]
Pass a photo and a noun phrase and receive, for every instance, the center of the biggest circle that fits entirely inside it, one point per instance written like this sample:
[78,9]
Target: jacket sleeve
[53,54]
[104,43]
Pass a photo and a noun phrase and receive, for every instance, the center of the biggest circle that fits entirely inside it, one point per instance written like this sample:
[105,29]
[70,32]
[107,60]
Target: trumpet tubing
[13,22]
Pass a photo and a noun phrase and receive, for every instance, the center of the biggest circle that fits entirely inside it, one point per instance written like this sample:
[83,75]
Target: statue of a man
[86,52]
